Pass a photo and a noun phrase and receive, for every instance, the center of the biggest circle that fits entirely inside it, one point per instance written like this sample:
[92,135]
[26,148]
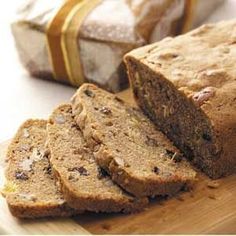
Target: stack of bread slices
[95,154]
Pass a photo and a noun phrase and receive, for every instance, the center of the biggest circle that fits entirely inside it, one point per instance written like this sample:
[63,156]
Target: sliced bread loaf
[126,143]
[187,86]
[85,186]
[31,190]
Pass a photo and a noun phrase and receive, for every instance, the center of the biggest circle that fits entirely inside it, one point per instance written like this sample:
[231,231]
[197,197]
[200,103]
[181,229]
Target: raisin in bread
[31,190]
[125,143]
[85,185]
[187,86]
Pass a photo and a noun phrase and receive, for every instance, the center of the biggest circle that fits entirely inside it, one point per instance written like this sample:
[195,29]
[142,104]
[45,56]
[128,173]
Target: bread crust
[197,72]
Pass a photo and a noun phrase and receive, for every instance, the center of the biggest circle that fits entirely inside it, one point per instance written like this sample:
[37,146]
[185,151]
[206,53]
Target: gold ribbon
[63,43]
[190,6]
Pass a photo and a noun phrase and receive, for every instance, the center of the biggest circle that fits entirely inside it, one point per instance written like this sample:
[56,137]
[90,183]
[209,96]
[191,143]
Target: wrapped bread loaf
[75,41]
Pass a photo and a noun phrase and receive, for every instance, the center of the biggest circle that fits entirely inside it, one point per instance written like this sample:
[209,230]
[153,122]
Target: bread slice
[85,186]
[31,190]
[187,86]
[137,156]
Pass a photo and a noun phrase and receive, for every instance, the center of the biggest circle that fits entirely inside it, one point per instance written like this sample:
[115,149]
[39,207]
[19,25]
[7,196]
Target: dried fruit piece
[109,123]
[59,119]
[203,96]
[81,170]
[89,93]
[101,173]
[156,170]
[119,161]
[119,100]
[48,170]
[21,175]
[207,137]
[105,110]
[213,184]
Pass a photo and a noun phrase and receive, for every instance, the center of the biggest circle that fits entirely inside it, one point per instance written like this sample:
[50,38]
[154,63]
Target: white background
[22,97]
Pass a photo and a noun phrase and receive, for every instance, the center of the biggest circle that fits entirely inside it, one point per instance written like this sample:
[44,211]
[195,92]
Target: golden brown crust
[199,68]
[29,212]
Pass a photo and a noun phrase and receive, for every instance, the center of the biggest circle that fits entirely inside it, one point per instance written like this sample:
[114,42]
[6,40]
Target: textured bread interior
[31,189]
[126,143]
[84,184]
[183,122]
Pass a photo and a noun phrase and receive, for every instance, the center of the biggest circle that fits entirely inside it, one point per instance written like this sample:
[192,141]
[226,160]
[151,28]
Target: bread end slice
[31,190]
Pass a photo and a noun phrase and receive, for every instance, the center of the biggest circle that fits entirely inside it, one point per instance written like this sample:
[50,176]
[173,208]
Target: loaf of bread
[31,190]
[126,143]
[73,42]
[187,86]
[98,44]
[84,184]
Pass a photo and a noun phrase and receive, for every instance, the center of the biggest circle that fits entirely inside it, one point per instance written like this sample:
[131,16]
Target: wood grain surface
[204,210]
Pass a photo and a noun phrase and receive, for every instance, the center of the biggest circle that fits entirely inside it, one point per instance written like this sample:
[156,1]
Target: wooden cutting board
[202,211]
